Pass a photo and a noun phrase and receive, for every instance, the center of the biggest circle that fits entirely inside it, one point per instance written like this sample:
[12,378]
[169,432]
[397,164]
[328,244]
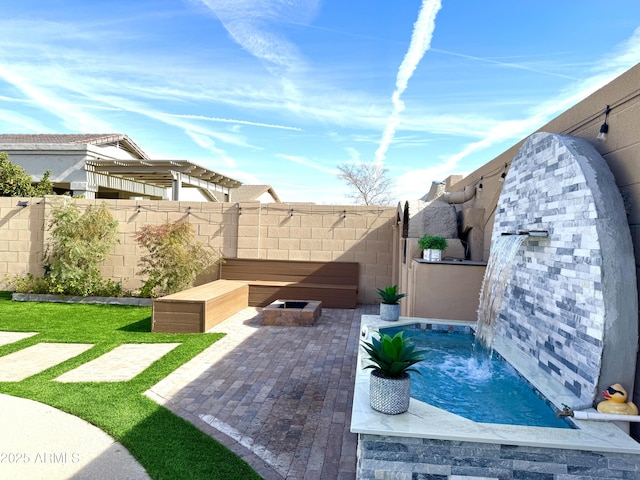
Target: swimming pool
[424,422]
[461,376]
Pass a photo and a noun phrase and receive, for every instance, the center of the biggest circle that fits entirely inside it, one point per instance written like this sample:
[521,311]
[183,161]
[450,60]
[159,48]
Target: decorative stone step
[120,364]
[35,359]
[11,337]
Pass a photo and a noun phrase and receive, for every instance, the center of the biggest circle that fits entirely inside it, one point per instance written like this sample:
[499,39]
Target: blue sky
[280,92]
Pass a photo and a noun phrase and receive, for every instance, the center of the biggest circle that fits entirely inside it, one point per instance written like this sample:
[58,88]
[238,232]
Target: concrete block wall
[322,233]
[215,224]
[21,236]
[244,230]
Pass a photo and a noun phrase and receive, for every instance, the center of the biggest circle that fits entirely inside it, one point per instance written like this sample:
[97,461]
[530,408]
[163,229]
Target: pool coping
[426,421]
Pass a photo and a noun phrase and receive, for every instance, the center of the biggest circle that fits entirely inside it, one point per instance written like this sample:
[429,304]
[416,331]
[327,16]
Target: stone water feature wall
[571,300]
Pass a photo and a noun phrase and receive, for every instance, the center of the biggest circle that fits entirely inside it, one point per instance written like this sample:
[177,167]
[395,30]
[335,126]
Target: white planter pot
[389,312]
[389,395]
[432,255]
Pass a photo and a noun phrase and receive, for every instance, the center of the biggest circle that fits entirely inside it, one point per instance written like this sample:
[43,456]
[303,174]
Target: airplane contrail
[420,43]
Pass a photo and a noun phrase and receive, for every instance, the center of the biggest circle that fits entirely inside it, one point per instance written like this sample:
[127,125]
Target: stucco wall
[245,230]
[65,162]
[433,284]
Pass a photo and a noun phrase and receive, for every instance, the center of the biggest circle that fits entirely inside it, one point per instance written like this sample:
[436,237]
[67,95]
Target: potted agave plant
[392,358]
[432,247]
[390,308]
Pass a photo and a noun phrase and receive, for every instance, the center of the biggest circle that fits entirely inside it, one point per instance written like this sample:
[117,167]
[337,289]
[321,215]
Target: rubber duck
[616,402]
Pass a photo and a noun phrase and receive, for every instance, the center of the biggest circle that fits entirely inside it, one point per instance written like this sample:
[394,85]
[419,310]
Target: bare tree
[369,183]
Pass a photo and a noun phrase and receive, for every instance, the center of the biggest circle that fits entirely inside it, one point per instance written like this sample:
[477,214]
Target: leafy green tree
[16,182]
[174,260]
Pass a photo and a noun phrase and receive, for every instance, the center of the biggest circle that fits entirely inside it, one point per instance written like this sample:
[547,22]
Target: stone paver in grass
[120,364]
[29,361]
[11,337]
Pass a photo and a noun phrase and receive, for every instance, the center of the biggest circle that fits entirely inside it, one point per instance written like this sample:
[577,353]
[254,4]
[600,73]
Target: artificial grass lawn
[167,446]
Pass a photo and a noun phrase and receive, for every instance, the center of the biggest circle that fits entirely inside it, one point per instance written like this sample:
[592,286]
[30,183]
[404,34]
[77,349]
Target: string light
[503,175]
[604,128]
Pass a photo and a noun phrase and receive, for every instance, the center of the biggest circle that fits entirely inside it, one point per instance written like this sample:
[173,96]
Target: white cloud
[207,143]
[68,112]
[517,66]
[253,25]
[16,122]
[82,81]
[307,163]
[605,70]
[231,120]
[354,155]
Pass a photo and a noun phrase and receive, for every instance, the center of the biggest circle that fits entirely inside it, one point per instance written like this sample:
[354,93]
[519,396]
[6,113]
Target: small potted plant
[390,308]
[432,247]
[392,358]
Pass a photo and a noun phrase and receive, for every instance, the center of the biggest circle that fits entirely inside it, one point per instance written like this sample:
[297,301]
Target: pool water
[463,377]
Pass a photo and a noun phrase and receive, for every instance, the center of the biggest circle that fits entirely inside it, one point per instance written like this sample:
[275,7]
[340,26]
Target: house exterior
[113,166]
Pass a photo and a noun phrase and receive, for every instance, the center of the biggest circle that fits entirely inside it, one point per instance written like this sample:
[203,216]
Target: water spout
[535,233]
[494,284]
[527,233]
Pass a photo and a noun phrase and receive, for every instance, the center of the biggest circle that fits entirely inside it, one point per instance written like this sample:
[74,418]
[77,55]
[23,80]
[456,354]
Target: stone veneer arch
[571,300]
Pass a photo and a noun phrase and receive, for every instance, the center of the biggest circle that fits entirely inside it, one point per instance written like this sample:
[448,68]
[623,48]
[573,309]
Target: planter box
[432,255]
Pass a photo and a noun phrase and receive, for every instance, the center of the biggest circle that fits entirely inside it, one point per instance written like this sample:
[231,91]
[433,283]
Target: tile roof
[248,193]
[121,139]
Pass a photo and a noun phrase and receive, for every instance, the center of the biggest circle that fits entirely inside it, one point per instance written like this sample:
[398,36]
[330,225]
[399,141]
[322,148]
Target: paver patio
[280,397]
[120,364]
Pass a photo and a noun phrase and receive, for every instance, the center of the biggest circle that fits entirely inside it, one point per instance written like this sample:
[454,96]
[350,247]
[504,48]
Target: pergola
[161,174]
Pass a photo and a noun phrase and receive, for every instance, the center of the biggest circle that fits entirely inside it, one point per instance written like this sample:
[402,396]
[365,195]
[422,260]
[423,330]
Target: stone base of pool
[386,457]
[290,313]
[428,442]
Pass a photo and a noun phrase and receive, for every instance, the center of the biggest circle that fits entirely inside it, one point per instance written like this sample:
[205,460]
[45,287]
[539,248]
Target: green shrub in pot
[432,247]
[390,295]
[392,358]
[432,242]
[390,308]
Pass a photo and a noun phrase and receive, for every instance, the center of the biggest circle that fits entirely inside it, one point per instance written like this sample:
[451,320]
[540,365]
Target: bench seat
[199,308]
[335,284]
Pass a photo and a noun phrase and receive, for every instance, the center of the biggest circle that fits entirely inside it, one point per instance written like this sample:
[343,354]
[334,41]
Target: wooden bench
[335,284]
[199,308]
